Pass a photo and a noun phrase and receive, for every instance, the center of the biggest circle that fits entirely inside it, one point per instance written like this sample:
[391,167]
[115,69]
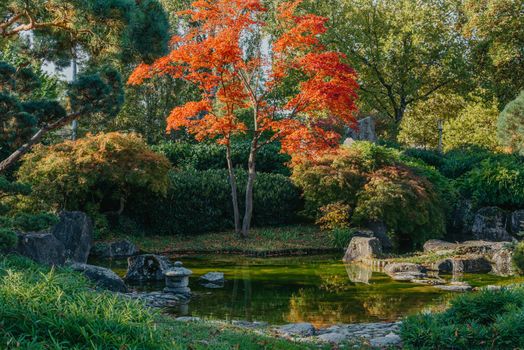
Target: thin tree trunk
[234,192]
[246,225]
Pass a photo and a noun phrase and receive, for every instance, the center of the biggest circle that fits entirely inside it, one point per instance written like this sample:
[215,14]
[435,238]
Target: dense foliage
[511,125]
[484,320]
[199,201]
[96,174]
[376,185]
[518,258]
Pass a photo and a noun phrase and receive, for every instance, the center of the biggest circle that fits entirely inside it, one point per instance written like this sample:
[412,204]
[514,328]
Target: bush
[95,174]
[206,156]
[200,201]
[429,157]
[340,237]
[518,258]
[33,222]
[459,161]
[485,320]
[8,239]
[377,184]
[334,216]
[511,125]
[497,181]
[405,202]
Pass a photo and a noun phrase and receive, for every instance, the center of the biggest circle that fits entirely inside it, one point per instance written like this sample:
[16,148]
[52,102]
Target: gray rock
[483,248]
[443,266]
[459,287]
[333,338]
[362,249]
[390,340]
[102,277]
[502,262]
[394,268]
[187,319]
[148,267]
[297,329]
[251,325]
[470,264]
[407,276]
[462,219]
[429,281]
[43,248]
[365,131]
[216,278]
[517,223]
[490,224]
[119,249]
[436,245]
[75,231]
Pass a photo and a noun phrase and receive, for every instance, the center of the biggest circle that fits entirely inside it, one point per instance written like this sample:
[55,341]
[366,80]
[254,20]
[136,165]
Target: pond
[320,289]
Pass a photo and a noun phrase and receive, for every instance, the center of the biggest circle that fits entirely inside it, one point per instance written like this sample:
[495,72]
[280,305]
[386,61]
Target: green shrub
[8,238]
[405,202]
[340,237]
[518,258]
[430,157]
[334,216]
[485,320]
[206,156]
[497,181]
[33,222]
[459,161]
[200,201]
[511,125]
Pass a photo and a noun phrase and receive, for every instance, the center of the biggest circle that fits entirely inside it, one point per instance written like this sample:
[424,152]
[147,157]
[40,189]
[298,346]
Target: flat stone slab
[297,329]
[389,340]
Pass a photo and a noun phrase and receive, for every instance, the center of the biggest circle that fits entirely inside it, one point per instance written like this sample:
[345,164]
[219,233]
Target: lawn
[276,240]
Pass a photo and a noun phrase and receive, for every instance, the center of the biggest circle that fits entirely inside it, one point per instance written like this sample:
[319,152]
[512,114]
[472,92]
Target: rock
[102,277]
[483,248]
[502,262]
[429,281]
[443,266]
[490,224]
[436,245]
[394,268]
[213,278]
[517,223]
[459,287]
[461,220]
[390,340]
[75,231]
[119,249]
[297,329]
[365,130]
[363,248]
[44,248]
[407,276]
[251,325]
[160,300]
[333,338]
[187,319]
[471,264]
[148,267]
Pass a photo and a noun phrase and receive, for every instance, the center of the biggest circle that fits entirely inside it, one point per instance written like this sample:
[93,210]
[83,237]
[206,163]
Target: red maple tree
[236,67]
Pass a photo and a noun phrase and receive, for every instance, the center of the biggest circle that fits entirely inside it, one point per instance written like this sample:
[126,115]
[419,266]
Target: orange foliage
[210,56]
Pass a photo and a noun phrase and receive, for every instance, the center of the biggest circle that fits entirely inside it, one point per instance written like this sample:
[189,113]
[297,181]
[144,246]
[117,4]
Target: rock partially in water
[102,277]
[75,231]
[405,271]
[470,264]
[459,287]
[44,248]
[407,276]
[212,280]
[436,245]
[490,224]
[158,299]
[119,249]
[390,340]
[147,268]
[297,329]
[362,249]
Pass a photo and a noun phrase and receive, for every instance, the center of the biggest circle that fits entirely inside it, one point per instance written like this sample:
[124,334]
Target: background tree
[234,77]
[404,51]
[511,125]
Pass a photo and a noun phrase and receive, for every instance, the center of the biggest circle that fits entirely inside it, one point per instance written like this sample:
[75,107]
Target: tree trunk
[234,192]
[246,225]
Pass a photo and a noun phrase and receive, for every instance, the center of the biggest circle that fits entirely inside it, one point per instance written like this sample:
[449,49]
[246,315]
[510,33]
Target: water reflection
[320,290]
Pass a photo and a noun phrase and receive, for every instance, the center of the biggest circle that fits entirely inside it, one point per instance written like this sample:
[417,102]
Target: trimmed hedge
[200,201]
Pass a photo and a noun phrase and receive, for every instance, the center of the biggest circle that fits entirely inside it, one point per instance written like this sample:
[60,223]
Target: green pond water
[321,290]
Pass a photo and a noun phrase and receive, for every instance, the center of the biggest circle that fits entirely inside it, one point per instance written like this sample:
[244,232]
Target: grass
[261,240]
[43,308]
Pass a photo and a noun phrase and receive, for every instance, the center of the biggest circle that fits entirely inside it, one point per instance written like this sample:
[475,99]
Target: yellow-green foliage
[511,125]
[103,167]
[518,257]
[334,216]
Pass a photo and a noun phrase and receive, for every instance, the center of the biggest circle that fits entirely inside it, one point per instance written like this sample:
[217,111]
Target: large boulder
[146,268]
[436,245]
[502,262]
[490,224]
[43,248]
[517,223]
[119,249]
[75,231]
[470,264]
[362,249]
[102,277]
[461,220]
[479,248]
[377,229]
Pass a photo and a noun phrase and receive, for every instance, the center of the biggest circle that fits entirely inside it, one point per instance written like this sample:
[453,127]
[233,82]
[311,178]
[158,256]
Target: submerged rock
[148,267]
[102,277]
[212,280]
[362,249]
